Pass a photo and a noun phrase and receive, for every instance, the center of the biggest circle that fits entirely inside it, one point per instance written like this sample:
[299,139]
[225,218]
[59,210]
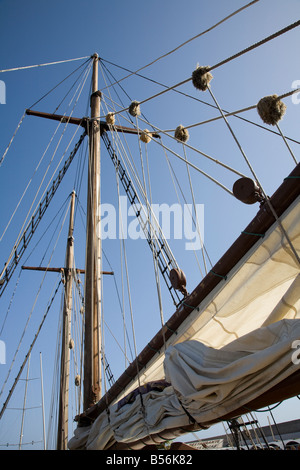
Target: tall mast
[92,344]
[62,434]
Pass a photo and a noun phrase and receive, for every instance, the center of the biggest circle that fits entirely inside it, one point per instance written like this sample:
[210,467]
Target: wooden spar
[84,122]
[63,414]
[59,270]
[92,343]
[281,200]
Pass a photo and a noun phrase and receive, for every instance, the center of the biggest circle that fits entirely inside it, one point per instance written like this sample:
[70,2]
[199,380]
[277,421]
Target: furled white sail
[234,346]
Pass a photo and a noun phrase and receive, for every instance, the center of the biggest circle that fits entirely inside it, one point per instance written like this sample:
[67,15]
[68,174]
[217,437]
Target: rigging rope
[218,162]
[195,210]
[27,355]
[227,113]
[62,81]
[43,65]
[266,198]
[11,141]
[64,130]
[173,176]
[248,108]
[286,143]
[150,229]
[128,284]
[225,61]
[189,40]
[28,184]
[30,314]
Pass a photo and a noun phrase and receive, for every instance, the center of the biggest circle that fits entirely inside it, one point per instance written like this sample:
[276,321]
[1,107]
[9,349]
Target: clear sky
[132,34]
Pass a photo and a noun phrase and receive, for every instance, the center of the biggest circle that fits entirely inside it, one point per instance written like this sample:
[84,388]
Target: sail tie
[254,234]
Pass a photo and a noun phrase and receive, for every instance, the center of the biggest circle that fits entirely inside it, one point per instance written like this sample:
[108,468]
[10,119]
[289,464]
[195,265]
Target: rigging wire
[288,147]
[121,304]
[141,211]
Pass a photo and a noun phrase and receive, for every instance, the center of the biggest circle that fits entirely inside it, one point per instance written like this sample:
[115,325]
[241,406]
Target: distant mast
[63,416]
[92,343]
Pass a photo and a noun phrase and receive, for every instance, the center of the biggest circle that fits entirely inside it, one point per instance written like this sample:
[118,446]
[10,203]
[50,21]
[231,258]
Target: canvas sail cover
[234,346]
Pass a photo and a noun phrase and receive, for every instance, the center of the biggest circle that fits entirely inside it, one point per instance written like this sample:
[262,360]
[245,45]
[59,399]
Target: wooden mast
[62,434]
[92,345]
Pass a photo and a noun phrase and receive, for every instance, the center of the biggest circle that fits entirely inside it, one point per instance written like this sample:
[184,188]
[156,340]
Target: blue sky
[132,34]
